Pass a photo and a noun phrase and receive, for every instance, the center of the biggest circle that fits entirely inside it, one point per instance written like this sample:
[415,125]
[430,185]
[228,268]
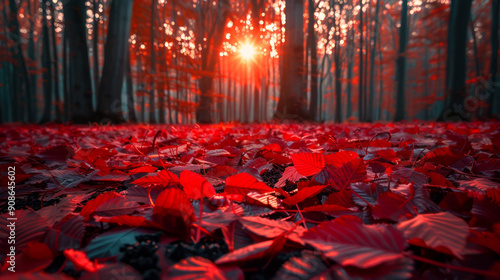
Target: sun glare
[247,51]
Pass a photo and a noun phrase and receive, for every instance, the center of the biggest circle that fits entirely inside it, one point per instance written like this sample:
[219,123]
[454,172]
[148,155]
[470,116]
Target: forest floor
[353,201]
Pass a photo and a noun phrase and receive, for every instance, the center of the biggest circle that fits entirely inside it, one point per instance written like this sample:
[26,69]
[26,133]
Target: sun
[247,51]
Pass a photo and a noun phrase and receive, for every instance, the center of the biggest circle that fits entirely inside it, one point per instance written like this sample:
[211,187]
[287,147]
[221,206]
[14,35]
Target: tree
[80,83]
[20,68]
[313,52]
[360,77]
[401,64]
[456,93]
[371,96]
[115,52]
[211,22]
[47,65]
[292,100]
[495,10]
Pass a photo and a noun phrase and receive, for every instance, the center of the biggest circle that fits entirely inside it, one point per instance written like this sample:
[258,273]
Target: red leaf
[57,153]
[163,178]
[443,156]
[340,178]
[253,252]
[443,232]
[195,268]
[244,183]
[116,206]
[174,210]
[36,256]
[29,226]
[308,164]
[342,198]
[80,260]
[290,175]
[195,186]
[392,206]
[133,221]
[272,228]
[347,241]
[93,204]
[304,194]
[340,158]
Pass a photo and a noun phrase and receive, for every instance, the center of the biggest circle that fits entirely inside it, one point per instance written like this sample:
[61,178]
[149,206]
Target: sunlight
[247,51]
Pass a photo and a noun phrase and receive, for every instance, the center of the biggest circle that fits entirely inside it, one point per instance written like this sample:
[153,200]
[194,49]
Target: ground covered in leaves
[291,201]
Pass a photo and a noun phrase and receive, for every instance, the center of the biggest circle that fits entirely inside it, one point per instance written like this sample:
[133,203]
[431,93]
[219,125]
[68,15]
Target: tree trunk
[401,64]
[115,51]
[31,98]
[209,57]
[132,116]
[95,47]
[293,98]
[495,10]
[47,66]
[360,77]
[311,38]
[80,85]
[20,69]
[55,61]
[454,109]
[152,71]
[371,94]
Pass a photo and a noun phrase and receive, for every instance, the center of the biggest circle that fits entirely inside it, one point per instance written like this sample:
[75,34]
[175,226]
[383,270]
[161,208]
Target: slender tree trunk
[66,76]
[495,10]
[47,66]
[401,64]
[209,55]
[293,98]
[132,116]
[381,78]
[95,47]
[31,98]
[311,39]
[115,51]
[375,31]
[20,69]
[360,77]
[80,86]
[152,71]
[350,70]
[55,61]
[454,109]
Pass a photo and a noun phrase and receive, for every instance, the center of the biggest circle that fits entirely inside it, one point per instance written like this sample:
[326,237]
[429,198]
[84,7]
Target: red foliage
[330,199]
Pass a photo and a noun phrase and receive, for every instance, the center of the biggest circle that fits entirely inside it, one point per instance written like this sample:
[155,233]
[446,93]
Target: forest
[179,62]
[249,139]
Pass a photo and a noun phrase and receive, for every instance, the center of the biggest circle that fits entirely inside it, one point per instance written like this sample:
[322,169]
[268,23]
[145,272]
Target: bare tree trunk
[20,69]
[454,109]
[47,65]
[55,61]
[401,64]
[360,77]
[495,10]
[209,55]
[371,96]
[80,85]
[311,39]
[115,51]
[293,99]
[95,47]
[31,98]
[132,116]
[152,71]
